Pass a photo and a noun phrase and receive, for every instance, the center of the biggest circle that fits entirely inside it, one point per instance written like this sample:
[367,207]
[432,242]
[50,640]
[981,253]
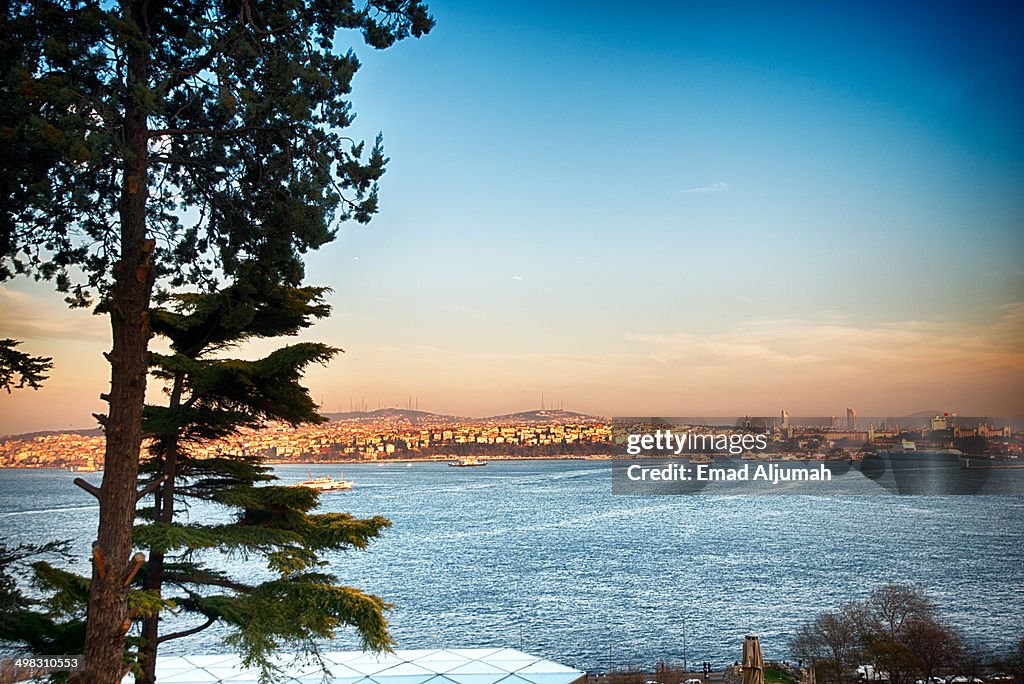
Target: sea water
[540,555]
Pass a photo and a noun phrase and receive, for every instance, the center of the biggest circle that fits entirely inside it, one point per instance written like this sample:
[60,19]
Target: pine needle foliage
[31,624]
[18,369]
[151,147]
[211,396]
[52,619]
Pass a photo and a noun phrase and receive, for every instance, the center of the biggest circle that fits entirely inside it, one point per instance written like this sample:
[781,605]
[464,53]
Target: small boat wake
[38,511]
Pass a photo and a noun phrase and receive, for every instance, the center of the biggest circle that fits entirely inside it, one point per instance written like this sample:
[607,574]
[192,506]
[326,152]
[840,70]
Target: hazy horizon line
[840,417]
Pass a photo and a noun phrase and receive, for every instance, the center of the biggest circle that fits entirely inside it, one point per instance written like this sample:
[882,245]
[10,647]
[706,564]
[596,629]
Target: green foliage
[34,625]
[242,108]
[224,395]
[233,539]
[211,477]
[211,396]
[54,622]
[269,527]
[341,531]
[164,145]
[294,611]
[269,500]
[68,593]
[302,608]
[29,370]
[235,314]
[777,674]
[248,392]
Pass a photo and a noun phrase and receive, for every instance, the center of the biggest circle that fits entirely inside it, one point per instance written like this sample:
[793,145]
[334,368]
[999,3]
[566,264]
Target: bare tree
[896,629]
[829,644]
[892,606]
[933,645]
[884,620]
[1015,662]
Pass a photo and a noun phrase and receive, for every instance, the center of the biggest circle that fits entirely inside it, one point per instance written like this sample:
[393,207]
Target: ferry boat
[325,484]
[467,462]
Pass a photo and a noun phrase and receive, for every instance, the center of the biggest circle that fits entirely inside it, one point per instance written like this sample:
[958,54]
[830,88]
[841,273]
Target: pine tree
[155,145]
[211,397]
[53,619]
[29,370]
[28,622]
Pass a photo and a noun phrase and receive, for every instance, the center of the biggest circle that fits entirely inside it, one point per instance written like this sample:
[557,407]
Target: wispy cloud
[720,186]
[810,365]
[518,277]
[894,363]
[26,316]
[834,342]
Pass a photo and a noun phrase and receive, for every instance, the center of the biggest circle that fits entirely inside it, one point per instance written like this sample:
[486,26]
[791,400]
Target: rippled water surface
[541,554]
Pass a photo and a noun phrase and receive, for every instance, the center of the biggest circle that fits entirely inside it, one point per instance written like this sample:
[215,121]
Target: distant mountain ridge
[414,416]
[408,414]
[411,415]
[544,415]
[84,432]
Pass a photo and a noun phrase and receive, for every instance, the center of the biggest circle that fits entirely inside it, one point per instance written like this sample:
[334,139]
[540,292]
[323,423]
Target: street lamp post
[685,668]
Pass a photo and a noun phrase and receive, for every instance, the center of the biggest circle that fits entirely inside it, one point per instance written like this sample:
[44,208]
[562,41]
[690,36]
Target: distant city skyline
[690,210]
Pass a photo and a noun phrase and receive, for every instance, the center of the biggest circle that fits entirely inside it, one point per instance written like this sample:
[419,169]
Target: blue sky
[679,208]
[562,143]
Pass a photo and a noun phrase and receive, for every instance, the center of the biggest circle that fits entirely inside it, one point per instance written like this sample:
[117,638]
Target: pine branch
[244,539]
[186,632]
[199,64]
[206,579]
[91,488]
[150,488]
[212,132]
[29,370]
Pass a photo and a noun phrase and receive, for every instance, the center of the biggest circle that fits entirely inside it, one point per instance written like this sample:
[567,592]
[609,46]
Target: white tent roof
[428,666]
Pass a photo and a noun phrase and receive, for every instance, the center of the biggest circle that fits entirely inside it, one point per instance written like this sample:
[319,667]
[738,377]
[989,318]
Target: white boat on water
[467,462]
[326,484]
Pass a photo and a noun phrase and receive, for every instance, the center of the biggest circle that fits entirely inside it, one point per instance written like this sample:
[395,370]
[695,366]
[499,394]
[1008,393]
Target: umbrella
[753,663]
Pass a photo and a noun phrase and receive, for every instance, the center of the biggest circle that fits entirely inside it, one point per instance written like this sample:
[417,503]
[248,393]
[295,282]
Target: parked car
[999,678]
[963,679]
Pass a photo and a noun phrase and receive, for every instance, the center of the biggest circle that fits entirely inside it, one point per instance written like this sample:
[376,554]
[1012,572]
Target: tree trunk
[128,303]
[151,625]
[154,581]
